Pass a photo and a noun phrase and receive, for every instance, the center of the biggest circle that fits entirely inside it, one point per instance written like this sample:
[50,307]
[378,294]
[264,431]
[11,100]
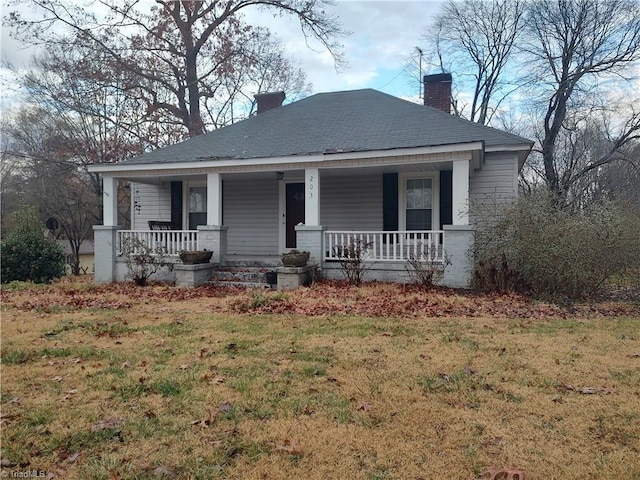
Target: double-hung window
[419,201]
[419,204]
[197,207]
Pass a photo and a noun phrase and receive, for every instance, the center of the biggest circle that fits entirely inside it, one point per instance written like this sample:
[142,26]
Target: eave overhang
[473,151]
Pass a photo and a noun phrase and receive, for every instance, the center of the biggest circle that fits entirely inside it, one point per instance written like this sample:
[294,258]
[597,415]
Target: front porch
[385,253]
[395,206]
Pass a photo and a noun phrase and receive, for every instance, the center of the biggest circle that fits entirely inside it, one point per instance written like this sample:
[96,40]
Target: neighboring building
[86,256]
[314,175]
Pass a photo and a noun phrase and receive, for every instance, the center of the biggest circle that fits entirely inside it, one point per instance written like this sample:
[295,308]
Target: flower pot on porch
[193,257]
[295,258]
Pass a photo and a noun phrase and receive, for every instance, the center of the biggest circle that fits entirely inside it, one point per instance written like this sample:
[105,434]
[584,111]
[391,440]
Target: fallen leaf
[588,390]
[6,463]
[57,378]
[566,387]
[634,355]
[496,441]
[109,422]
[364,406]
[72,458]
[72,391]
[308,410]
[387,334]
[224,407]
[163,471]
[218,380]
[558,400]
[184,367]
[289,446]
[15,400]
[205,422]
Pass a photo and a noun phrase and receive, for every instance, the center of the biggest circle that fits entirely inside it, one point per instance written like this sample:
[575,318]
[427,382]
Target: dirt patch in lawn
[374,382]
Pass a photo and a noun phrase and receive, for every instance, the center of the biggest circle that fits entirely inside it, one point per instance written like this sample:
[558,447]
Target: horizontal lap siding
[493,186]
[250,211]
[154,202]
[351,202]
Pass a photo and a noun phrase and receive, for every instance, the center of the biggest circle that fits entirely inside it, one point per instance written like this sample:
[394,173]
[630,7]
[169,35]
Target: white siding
[351,202]
[493,186]
[154,202]
[250,211]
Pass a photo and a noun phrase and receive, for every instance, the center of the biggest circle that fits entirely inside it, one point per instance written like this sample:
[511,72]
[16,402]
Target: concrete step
[249,285]
[244,277]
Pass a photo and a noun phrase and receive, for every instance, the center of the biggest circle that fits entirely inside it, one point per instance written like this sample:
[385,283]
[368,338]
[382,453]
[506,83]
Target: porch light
[280,175]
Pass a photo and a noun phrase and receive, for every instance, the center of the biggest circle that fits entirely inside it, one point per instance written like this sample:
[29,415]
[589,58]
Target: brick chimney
[437,91]
[267,101]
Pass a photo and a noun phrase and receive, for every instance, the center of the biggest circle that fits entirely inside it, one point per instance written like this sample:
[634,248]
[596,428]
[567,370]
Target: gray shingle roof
[350,121]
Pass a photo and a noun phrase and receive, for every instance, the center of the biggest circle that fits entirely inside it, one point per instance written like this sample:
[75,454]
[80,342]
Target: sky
[383,39]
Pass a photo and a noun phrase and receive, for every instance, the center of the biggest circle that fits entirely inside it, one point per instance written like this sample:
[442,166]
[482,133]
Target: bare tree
[573,55]
[576,46]
[476,40]
[176,51]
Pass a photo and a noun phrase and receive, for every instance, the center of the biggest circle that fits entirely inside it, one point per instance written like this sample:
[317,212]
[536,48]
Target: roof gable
[349,121]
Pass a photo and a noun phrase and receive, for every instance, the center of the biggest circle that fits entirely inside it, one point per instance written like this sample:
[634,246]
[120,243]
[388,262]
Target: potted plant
[192,257]
[295,258]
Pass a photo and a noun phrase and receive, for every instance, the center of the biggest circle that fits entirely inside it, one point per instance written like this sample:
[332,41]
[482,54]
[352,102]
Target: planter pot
[193,257]
[297,259]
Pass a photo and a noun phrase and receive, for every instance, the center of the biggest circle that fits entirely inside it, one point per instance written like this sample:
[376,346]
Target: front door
[294,212]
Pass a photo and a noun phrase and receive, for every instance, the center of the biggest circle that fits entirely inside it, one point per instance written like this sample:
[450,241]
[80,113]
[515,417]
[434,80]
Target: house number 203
[311,186]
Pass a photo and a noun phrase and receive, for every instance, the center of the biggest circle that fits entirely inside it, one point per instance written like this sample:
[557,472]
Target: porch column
[312,197]
[110,201]
[310,238]
[458,246]
[105,241]
[213,238]
[460,194]
[214,199]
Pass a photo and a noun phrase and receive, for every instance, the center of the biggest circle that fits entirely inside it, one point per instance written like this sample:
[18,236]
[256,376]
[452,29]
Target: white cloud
[383,36]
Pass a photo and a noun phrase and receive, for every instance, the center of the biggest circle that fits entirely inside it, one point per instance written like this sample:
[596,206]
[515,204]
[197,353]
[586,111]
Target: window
[419,204]
[197,207]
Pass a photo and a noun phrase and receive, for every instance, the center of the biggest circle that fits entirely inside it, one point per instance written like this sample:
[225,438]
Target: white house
[315,174]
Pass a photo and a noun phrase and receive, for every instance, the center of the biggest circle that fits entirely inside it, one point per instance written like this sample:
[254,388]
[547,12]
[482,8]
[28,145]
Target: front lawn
[328,382]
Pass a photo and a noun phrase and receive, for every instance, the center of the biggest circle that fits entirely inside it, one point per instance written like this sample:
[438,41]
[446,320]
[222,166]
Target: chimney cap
[437,77]
[279,95]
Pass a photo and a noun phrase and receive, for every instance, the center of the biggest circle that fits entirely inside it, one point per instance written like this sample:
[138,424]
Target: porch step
[243,277]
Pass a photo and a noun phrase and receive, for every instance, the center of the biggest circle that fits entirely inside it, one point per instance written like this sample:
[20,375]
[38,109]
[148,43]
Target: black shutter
[176,205]
[389,201]
[446,197]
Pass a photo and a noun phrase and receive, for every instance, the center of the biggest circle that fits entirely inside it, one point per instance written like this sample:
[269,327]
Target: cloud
[383,37]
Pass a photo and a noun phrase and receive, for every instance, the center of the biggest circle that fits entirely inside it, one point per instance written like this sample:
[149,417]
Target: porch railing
[171,242]
[396,246]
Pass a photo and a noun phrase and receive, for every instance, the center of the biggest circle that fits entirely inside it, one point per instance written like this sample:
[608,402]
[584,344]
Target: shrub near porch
[113,381]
